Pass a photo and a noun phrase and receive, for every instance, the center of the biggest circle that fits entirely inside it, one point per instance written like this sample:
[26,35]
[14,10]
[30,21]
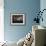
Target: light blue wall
[43,6]
[28,7]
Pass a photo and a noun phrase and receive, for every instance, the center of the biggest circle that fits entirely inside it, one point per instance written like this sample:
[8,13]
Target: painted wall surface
[28,7]
[43,6]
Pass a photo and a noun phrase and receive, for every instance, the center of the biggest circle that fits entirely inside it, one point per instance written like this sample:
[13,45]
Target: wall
[43,6]
[28,7]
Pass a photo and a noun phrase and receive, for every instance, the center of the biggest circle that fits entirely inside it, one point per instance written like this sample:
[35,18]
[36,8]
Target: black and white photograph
[17,19]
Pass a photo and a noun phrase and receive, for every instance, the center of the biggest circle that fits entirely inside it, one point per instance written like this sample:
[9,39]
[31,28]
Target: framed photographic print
[17,19]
